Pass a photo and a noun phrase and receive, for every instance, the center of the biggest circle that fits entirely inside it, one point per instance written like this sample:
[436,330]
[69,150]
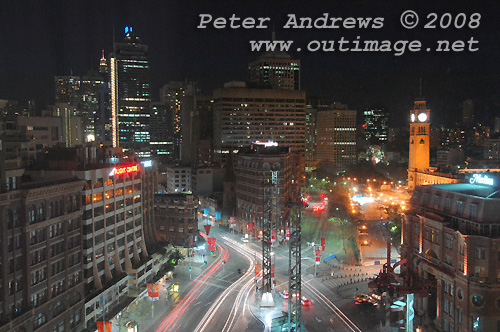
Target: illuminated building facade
[67,89]
[72,127]
[41,256]
[176,218]
[93,93]
[26,137]
[117,221]
[252,168]
[375,125]
[419,170]
[162,131]
[243,116]
[418,158]
[336,137]
[275,70]
[192,120]
[179,179]
[453,231]
[130,94]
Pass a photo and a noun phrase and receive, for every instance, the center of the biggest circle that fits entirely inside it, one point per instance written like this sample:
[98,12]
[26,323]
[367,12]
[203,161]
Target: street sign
[317,251]
[329,257]
[207,229]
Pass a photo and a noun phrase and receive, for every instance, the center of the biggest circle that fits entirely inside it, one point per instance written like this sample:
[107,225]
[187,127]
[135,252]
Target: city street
[217,298]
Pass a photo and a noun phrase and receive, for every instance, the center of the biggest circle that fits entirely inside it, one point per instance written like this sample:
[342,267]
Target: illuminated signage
[266,144]
[147,163]
[124,170]
[481,179]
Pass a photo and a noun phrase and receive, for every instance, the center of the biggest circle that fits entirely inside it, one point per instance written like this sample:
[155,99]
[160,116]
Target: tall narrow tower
[418,159]
[130,94]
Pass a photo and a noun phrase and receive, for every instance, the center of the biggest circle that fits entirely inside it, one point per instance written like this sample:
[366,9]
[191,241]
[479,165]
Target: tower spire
[420,93]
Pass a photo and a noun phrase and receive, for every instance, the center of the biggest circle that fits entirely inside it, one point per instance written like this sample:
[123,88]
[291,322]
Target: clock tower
[418,159]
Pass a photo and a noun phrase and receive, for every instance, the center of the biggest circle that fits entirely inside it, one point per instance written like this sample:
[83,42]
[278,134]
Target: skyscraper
[130,94]
[375,125]
[162,131]
[276,70]
[243,116]
[173,95]
[67,89]
[336,137]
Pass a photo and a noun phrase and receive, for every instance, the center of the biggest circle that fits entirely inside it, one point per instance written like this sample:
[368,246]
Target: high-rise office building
[375,125]
[468,111]
[173,94]
[313,104]
[162,131]
[89,105]
[130,94]
[243,116]
[67,89]
[275,70]
[336,137]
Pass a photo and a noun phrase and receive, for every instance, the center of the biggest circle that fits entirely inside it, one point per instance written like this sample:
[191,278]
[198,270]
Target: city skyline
[63,38]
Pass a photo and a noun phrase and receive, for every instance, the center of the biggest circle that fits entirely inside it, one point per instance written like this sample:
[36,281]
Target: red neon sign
[125,170]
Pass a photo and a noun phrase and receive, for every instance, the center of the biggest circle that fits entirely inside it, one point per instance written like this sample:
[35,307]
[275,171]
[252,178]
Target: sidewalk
[148,313]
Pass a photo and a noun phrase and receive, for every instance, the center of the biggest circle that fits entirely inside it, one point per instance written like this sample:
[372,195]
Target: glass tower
[130,94]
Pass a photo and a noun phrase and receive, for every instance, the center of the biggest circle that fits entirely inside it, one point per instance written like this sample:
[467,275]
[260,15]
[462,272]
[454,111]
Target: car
[365,300]
[318,208]
[305,302]
[365,242]
[363,229]
[244,239]
[310,244]
[284,294]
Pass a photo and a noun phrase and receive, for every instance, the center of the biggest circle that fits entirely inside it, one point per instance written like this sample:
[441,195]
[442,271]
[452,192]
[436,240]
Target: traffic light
[190,269]
[204,262]
[223,262]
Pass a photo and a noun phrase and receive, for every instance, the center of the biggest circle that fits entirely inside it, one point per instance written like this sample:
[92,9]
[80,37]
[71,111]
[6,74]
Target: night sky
[41,39]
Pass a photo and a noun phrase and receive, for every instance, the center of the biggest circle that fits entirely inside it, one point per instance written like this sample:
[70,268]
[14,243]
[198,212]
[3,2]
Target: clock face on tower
[413,117]
[422,117]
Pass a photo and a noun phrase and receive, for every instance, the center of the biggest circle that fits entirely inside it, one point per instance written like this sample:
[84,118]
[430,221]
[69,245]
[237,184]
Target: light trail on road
[343,318]
[223,297]
[170,322]
[349,323]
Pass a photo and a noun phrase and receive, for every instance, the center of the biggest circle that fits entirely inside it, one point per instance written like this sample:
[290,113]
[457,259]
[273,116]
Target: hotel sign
[124,170]
[481,179]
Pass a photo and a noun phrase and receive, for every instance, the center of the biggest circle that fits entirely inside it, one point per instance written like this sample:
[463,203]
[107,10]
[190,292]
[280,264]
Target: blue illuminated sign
[481,179]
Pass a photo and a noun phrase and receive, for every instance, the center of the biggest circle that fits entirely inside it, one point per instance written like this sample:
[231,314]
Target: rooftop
[483,191]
